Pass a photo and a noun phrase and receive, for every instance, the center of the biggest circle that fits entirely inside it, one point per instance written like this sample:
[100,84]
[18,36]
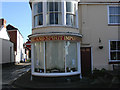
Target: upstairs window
[38,14]
[114,51]
[114,15]
[54,13]
[70,14]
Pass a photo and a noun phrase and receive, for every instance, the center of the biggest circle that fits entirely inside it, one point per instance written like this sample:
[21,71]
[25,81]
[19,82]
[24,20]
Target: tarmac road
[11,72]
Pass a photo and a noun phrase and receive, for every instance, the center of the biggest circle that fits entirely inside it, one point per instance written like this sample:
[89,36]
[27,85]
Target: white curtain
[39,55]
[55,55]
[71,55]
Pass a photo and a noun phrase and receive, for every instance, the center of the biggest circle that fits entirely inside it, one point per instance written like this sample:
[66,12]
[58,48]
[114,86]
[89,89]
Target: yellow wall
[94,25]
[54,29]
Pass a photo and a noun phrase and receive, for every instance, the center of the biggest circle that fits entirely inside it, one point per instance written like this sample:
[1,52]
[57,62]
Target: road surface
[11,72]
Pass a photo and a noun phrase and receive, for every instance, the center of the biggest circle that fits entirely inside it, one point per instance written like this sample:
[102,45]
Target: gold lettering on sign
[48,38]
[61,38]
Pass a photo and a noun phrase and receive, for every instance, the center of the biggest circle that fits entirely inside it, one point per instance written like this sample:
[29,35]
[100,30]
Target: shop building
[55,38]
[73,37]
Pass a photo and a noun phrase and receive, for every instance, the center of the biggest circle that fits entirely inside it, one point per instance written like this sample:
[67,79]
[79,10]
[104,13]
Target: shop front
[55,55]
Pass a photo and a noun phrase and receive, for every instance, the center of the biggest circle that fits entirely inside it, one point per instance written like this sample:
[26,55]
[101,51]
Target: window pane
[70,20]
[114,19]
[39,57]
[70,7]
[52,18]
[56,18]
[41,19]
[55,57]
[35,8]
[118,55]
[40,7]
[59,18]
[113,56]
[48,19]
[118,45]
[113,45]
[50,6]
[36,21]
[114,10]
[57,6]
[71,58]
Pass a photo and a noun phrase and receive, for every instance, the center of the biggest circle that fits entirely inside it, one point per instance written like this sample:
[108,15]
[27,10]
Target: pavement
[18,76]
[25,83]
[11,72]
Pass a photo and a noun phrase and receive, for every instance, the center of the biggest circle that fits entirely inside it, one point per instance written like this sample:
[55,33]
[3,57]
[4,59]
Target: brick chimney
[3,23]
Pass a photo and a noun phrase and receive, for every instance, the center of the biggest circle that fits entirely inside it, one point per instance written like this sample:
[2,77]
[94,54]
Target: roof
[10,27]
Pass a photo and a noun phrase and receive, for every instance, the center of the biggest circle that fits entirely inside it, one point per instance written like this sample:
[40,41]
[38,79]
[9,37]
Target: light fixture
[100,46]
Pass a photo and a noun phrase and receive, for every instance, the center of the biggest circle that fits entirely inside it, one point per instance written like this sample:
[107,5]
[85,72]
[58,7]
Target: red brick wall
[13,38]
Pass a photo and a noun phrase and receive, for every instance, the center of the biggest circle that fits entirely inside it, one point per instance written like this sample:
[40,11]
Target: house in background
[6,46]
[17,38]
[27,47]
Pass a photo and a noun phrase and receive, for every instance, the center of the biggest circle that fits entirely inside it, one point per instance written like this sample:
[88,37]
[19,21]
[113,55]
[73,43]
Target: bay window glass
[39,57]
[38,14]
[54,13]
[55,57]
[70,14]
[70,7]
[40,9]
[36,20]
[70,20]
[35,8]
[71,56]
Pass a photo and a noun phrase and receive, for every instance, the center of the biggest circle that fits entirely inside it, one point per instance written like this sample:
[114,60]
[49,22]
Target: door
[85,61]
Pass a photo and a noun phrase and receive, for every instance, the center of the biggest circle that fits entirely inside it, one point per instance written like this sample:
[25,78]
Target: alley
[11,72]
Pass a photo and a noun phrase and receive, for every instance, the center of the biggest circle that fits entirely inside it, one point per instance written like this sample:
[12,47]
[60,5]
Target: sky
[18,14]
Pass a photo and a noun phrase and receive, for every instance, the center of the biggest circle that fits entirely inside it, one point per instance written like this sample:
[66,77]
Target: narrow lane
[11,72]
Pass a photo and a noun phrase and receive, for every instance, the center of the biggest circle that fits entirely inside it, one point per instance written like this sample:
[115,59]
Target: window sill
[42,26]
[114,62]
[113,24]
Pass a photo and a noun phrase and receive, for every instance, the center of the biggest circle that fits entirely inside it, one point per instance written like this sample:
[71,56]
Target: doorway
[86,61]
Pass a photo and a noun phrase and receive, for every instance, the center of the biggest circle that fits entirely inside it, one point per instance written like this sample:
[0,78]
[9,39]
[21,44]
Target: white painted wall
[4,34]
[0,51]
[20,50]
[7,54]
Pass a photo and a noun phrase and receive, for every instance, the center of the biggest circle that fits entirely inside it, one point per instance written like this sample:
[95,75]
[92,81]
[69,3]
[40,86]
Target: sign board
[48,38]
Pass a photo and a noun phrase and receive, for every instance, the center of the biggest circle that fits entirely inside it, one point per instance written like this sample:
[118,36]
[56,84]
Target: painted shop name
[48,38]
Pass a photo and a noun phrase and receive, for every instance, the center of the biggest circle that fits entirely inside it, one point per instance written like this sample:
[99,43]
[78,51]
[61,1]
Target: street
[11,72]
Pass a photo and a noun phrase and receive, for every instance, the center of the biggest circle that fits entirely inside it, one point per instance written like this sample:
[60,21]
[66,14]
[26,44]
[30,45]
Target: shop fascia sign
[48,38]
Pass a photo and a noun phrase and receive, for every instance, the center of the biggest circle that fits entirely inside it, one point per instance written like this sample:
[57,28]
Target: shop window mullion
[44,57]
[65,56]
[53,12]
[116,51]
